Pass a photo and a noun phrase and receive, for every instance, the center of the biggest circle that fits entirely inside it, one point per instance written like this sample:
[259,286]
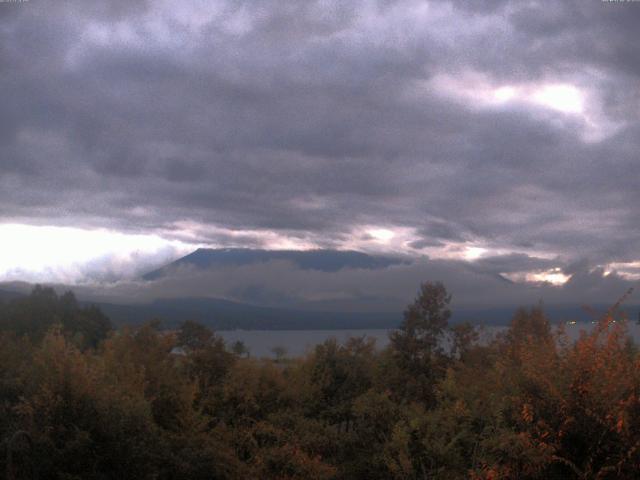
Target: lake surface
[298,342]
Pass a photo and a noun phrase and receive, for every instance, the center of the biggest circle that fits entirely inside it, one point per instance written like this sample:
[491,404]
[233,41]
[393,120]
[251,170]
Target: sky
[494,137]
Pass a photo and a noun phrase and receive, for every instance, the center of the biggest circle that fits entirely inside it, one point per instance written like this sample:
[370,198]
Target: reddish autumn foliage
[529,404]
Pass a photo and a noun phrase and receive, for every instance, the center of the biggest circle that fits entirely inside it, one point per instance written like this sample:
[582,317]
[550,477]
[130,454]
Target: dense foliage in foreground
[78,401]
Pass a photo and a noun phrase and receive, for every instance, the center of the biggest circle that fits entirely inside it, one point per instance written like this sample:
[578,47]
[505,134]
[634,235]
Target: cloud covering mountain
[280,282]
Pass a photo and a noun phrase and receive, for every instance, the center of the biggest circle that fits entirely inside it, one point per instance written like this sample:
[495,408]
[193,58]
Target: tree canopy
[81,401]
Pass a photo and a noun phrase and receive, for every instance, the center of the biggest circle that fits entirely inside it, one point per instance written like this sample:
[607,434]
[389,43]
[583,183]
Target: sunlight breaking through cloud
[572,99]
[64,254]
[381,234]
[562,97]
[479,90]
[553,276]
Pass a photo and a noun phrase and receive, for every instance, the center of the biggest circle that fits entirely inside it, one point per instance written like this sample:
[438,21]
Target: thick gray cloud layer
[280,283]
[310,118]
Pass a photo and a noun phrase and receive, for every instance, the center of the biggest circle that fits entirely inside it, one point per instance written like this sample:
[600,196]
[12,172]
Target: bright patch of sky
[572,100]
[628,270]
[473,253]
[554,276]
[70,255]
[382,234]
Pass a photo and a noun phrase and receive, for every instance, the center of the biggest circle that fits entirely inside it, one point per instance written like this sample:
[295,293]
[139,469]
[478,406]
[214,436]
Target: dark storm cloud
[312,118]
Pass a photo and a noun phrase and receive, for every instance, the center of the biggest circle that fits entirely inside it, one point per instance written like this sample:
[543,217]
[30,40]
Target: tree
[240,349]
[280,353]
[338,375]
[463,337]
[529,329]
[36,313]
[415,345]
[194,335]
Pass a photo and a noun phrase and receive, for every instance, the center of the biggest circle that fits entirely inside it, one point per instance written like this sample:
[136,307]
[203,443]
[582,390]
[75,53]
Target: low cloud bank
[285,285]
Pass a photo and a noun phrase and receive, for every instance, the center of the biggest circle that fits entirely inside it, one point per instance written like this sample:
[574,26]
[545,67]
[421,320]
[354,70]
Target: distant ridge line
[324,260]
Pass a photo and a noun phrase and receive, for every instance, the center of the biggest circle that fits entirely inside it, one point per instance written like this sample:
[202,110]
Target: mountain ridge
[324,260]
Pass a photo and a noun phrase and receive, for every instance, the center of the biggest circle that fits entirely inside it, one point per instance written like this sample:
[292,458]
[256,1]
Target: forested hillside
[79,400]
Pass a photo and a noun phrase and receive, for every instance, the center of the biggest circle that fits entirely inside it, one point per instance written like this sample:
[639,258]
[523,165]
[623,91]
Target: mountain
[226,315]
[221,314]
[322,260]
[6,295]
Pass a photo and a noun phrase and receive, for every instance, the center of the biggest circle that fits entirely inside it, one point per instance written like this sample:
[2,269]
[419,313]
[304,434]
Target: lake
[298,342]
